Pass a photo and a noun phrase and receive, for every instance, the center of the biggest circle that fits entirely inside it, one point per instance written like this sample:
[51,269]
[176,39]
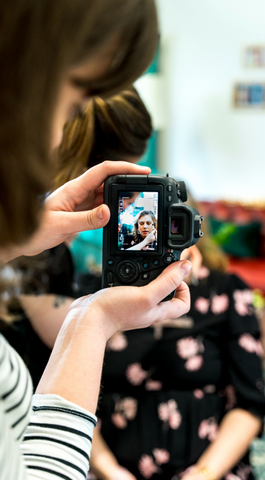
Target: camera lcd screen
[138,221]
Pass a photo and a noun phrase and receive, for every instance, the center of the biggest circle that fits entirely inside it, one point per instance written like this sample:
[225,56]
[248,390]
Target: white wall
[218,150]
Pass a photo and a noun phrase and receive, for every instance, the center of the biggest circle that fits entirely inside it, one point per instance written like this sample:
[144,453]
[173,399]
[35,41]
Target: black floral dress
[166,389]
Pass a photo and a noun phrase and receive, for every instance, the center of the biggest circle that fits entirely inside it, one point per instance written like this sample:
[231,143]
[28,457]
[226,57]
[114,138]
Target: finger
[167,282]
[176,307]
[95,176]
[74,222]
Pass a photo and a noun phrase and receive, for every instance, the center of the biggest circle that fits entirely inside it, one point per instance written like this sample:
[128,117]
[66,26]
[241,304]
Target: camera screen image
[137,221]
[177,226]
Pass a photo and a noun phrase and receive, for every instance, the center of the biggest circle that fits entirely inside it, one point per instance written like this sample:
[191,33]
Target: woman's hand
[194,255]
[151,237]
[73,208]
[74,368]
[128,308]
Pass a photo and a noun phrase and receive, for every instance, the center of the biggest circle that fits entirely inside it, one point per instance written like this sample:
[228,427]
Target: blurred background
[202,137]
[205,91]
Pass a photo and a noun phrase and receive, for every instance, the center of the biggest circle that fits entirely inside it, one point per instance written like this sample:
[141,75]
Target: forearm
[75,365]
[102,460]
[46,314]
[139,246]
[236,432]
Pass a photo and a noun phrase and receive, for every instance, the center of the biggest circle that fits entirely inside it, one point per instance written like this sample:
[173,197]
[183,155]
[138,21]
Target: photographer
[53,56]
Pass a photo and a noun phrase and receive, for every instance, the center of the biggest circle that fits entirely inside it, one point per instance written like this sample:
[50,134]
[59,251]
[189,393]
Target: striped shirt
[42,437]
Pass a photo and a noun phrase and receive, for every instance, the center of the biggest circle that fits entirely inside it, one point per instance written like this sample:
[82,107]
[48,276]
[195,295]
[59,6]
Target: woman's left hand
[73,208]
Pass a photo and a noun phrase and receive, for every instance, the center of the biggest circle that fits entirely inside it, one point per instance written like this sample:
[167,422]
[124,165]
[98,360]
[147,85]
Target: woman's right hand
[128,308]
[151,237]
[75,365]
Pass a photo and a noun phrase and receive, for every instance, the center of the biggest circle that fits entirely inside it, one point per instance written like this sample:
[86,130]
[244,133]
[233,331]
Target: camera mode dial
[182,191]
[127,271]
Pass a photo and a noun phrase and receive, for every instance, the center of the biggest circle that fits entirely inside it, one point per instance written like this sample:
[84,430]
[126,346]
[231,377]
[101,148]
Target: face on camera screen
[137,221]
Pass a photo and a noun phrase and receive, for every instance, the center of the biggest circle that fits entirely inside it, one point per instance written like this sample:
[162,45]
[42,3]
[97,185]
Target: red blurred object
[251,270]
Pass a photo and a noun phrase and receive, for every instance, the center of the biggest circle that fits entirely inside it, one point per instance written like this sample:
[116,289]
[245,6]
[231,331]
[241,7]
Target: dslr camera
[149,227]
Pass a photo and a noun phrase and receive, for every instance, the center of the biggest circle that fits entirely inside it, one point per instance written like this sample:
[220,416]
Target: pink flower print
[135,374]
[202,305]
[230,394]
[251,345]
[153,385]
[129,407]
[198,394]
[161,456]
[203,429]
[187,347]
[243,472]
[220,303]
[117,342]
[212,431]
[168,412]
[203,272]
[243,302]
[208,428]
[231,476]
[194,363]
[147,467]
[119,420]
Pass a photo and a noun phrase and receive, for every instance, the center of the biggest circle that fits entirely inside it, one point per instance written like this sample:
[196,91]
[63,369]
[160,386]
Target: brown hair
[212,256]
[111,129]
[40,41]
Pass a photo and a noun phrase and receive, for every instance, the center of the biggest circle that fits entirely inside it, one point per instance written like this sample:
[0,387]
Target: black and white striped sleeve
[57,441]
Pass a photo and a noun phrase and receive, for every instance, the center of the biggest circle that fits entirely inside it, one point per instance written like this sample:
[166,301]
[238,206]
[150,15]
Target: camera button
[169,188]
[169,258]
[145,265]
[169,198]
[110,262]
[127,271]
[110,280]
[145,276]
[156,263]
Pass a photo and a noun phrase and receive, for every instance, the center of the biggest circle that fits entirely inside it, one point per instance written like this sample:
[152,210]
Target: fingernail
[186,266]
[100,213]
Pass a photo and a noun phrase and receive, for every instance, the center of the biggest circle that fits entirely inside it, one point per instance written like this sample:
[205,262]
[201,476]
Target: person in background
[183,399]
[54,55]
[116,128]
[50,282]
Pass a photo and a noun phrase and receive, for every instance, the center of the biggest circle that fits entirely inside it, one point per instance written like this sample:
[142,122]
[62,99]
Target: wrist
[83,315]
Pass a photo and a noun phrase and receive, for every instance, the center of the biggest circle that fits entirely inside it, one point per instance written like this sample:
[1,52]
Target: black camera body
[149,227]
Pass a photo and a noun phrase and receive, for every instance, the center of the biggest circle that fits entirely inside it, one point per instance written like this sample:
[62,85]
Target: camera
[149,227]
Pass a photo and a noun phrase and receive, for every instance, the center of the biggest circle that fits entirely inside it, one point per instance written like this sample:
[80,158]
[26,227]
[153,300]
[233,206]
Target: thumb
[75,222]
[98,217]
[168,281]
